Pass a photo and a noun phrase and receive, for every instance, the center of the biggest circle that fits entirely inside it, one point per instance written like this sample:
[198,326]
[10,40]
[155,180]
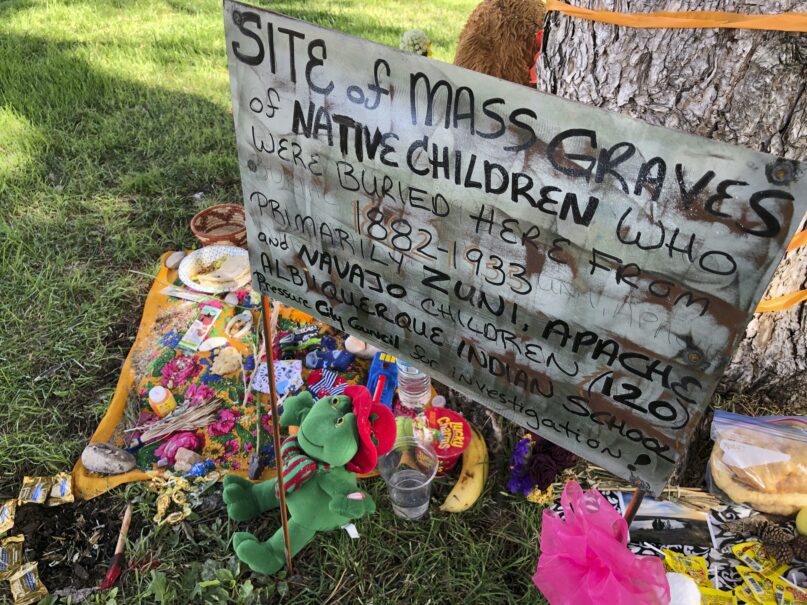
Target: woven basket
[221,224]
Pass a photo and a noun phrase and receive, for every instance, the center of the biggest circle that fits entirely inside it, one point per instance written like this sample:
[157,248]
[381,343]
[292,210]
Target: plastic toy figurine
[339,436]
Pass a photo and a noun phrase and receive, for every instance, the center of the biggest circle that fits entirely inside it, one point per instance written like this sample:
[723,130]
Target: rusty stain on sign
[582,273]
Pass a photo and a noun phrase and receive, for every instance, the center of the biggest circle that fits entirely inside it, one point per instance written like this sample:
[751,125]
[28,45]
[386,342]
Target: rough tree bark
[741,87]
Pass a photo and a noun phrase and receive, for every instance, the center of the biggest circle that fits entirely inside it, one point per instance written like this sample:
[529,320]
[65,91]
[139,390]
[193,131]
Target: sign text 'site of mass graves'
[584,274]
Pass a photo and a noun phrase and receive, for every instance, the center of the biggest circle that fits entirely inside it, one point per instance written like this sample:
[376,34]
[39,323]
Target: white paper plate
[205,256]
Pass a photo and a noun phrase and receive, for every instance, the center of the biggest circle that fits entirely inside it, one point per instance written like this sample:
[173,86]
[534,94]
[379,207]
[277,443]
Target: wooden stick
[270,366]
[633,505]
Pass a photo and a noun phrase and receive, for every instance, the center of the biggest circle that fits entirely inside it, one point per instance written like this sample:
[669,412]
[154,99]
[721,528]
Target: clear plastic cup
[408,471]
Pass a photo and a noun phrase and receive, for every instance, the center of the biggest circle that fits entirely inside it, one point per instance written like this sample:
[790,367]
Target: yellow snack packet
[694,567]
[713,596]
[61,491]
[745,595]
[752,555]
[10,555]
[34,490]
[761,586]
[787,593]
[26,587]
[7,512]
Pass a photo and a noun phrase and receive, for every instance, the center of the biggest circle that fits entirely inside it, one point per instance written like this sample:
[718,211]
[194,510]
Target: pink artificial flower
[179,370]
[198,393]
[266,422]
[242,295]
[225,423]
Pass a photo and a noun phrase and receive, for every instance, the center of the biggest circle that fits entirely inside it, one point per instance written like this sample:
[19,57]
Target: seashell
[231,298]
[106,459]
[244,316]
[214,342]
[172,262]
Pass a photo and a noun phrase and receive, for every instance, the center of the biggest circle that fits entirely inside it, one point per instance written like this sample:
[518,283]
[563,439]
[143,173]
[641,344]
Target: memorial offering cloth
[155,359]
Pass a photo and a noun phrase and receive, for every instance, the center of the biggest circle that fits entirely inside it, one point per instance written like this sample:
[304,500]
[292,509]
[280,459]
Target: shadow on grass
[105,188]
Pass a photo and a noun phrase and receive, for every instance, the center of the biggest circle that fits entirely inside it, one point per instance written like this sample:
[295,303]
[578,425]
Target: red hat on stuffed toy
[376,425]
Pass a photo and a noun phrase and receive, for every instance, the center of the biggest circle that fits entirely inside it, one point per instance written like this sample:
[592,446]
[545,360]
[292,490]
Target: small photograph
[663,522]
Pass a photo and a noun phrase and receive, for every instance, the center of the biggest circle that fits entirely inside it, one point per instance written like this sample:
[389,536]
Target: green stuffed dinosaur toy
[339,436]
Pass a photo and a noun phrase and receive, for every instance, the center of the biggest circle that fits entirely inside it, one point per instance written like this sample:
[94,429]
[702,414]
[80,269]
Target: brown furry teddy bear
[499,39]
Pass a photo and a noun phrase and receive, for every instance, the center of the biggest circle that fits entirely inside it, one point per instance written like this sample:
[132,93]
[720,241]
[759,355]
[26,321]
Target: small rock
[172,262]
[80,572]
[107,459]
[185,459]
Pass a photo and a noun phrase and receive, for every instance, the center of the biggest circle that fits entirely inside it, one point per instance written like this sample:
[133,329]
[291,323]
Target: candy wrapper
[61,492]
[694,567]
[745,595]
[713,596]
[787,593]
[752,555]
[7,512]
[760,586]
[10,555]
[26,587]
[34,490]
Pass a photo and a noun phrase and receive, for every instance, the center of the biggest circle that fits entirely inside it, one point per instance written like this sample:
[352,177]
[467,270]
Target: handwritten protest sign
[581,273]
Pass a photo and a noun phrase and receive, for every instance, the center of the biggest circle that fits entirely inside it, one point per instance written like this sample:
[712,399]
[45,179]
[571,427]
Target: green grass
[113,114]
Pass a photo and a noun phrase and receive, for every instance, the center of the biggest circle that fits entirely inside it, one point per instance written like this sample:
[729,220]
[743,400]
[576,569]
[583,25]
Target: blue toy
[383,365]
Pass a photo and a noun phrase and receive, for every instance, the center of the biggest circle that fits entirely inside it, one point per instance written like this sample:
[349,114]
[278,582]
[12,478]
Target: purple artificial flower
[520,480]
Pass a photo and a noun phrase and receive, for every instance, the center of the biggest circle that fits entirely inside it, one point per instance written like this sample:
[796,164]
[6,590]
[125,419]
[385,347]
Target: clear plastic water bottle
[414,386]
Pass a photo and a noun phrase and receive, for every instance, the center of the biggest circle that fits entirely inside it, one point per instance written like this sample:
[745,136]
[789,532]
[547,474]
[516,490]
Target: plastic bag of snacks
[585,558]
[761,462]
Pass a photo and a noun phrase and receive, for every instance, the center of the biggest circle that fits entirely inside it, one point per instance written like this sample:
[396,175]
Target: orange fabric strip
[785,22]
[782,303]
[799,240]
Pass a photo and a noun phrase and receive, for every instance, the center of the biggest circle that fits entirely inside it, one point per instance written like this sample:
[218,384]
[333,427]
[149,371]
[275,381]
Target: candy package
[761,462]
[26,587]
[694,567]
[61,491]
[713,596]
[760,586]
[752,555]
[787,593]
[34,490]
[10,555]
[8,510]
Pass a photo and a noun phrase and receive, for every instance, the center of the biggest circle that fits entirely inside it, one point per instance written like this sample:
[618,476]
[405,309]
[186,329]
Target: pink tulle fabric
[585,558]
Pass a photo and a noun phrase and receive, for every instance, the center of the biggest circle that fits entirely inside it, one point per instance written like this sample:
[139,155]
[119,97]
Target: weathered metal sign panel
[581,273]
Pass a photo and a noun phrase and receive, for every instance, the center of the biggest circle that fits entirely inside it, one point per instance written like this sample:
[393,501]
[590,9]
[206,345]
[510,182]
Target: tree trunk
[740,87]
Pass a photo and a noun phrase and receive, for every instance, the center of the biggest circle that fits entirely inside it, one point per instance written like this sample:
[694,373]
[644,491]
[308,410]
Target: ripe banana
[472,479]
